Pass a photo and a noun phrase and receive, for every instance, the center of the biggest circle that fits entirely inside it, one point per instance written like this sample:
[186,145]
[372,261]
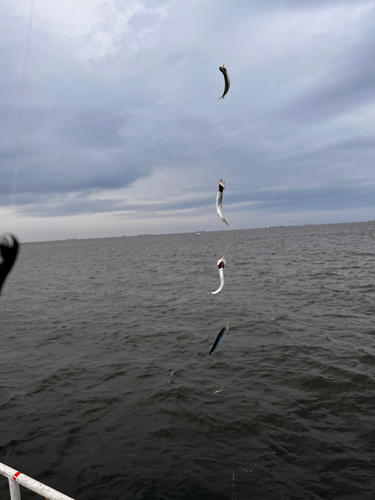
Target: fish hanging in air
[220,265]
[219,200]
[226,81]
[8,253]
[219,338]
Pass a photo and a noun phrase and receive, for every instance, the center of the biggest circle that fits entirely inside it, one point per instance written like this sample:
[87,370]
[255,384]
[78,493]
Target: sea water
[107,390]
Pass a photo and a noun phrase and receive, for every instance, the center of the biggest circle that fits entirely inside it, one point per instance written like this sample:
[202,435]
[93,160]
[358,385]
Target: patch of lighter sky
[97,26]
[84,15]
[283,34]
[111,224]
[357,121]
[279,187]
[303,48]
[240,205]
[163,185]
[129,223]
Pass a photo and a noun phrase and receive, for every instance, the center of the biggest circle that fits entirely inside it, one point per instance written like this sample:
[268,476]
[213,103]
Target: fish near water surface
[219,338]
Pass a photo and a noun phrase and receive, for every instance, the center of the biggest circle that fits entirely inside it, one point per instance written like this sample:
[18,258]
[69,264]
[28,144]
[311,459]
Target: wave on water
[109,392]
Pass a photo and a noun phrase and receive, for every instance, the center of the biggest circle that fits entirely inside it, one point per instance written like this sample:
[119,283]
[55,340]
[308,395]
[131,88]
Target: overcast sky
[120,130]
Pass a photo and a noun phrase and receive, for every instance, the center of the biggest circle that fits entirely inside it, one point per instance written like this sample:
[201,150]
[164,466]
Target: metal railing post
[15,493]
[17,478]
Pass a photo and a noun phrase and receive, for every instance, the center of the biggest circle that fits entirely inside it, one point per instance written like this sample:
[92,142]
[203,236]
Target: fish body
[8,253]
[219,200]
[220,265]
[226,81]
[218,340]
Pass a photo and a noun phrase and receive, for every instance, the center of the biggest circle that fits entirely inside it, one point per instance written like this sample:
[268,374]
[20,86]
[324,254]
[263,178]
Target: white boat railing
[16,479]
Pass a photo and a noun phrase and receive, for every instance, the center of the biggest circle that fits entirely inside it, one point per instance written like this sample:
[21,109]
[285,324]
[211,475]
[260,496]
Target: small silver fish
[226,81]
[219,338]
[219,200]
[220,265]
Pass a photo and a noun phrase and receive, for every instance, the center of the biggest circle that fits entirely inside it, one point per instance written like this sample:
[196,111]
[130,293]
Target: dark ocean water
[91,331]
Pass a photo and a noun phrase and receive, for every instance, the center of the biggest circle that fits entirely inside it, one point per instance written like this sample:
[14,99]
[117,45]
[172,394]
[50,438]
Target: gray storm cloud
[118,94]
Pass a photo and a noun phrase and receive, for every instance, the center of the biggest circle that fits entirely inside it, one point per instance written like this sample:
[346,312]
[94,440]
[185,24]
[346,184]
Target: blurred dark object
[8,254]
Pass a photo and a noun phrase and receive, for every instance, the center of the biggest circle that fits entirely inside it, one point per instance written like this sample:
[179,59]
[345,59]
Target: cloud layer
[120,118]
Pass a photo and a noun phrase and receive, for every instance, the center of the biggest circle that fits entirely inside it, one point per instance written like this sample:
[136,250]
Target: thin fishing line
[233,495]
[22,104]
[226,235]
